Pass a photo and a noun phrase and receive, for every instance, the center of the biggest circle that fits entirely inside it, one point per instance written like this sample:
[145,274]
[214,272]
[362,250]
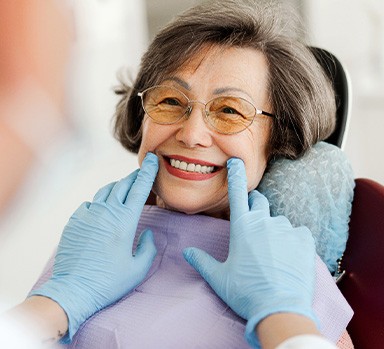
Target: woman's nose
[194,130]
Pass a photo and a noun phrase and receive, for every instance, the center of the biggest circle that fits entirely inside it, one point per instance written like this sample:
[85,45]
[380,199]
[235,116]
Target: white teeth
[183,165]
[190,167]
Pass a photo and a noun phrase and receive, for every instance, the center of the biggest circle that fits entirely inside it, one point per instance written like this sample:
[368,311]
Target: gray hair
[300,93]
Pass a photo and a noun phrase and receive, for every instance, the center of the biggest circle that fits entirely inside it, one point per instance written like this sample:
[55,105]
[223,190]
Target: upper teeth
[190,167]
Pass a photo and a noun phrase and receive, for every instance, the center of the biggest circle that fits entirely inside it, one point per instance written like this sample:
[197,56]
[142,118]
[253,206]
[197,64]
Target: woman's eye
[171,101]
[228,110]
[230,113]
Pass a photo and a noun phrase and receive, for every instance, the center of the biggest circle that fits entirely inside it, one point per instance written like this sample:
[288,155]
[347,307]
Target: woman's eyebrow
[180,82]
[217,91]
[222,90]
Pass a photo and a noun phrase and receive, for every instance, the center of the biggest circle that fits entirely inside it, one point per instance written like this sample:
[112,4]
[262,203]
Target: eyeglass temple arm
[258,111]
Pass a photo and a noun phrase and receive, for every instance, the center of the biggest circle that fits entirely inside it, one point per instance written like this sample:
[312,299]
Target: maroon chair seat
[363,262]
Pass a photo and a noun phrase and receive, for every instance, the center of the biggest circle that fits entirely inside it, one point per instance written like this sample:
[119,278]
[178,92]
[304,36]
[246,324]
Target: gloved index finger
[142,186]
[237,188]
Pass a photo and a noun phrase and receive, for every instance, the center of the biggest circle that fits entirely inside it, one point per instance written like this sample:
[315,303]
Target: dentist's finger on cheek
[121,188]
[259,203]
[237,188]
[140,190]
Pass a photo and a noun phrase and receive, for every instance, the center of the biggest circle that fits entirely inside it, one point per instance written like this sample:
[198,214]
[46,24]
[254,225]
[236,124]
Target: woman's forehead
[222,67]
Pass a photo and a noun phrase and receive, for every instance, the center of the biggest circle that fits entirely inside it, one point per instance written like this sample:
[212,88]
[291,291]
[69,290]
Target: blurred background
[111,34]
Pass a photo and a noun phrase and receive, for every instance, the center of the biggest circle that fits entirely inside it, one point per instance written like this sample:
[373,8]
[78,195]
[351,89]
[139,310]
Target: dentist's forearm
[43,316]
[287,330]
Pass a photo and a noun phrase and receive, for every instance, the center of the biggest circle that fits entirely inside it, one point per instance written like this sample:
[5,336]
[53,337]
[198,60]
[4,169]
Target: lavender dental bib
[175,308]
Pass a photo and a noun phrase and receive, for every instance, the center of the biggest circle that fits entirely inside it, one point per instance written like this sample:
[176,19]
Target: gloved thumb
[204,263]
[146,250]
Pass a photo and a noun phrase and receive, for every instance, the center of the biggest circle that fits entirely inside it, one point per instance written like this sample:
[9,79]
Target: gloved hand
[94,264]
[270,267]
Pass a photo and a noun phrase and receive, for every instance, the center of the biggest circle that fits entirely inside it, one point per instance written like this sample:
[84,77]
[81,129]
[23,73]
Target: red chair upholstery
[363,262]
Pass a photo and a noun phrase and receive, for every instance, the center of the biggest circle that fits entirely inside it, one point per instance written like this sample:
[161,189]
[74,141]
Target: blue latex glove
[94,264]
[270,266]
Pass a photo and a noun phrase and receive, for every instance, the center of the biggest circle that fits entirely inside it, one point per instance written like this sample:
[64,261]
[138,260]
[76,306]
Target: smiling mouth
[191,167]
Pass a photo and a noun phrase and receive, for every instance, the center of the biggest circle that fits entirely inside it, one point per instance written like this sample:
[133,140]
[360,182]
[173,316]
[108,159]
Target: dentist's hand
[270,266]
[94,264]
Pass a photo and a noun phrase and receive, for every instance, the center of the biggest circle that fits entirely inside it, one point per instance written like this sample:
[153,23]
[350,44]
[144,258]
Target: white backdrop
[354,31]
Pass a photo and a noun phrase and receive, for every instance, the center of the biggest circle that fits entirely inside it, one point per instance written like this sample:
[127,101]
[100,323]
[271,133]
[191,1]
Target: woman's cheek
[141,155]
[255,171]
[145,145]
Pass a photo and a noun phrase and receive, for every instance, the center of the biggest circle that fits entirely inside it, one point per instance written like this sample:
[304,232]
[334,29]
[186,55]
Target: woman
[224,81]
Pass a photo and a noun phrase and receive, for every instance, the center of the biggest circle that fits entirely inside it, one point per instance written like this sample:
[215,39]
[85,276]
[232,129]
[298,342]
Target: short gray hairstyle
[300,93]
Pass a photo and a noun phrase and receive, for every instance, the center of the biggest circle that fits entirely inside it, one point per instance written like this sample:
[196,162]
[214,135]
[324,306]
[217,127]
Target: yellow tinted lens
[164,104]
[230,114]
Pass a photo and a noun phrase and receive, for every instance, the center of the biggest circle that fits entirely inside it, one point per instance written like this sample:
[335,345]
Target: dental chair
[362,266]
[361,269]
[343,94]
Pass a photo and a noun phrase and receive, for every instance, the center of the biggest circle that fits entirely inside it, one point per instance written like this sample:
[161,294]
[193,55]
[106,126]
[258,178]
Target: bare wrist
[44,316]
[278,327]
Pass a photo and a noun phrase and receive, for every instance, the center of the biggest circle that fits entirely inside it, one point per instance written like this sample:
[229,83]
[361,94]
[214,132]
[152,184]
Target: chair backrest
[363,262]
[343,93]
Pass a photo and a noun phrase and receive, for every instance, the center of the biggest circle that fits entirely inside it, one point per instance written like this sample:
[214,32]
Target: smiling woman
[223,93]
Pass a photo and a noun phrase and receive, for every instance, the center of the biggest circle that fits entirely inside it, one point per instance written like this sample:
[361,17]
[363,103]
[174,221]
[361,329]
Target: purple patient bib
[175,308]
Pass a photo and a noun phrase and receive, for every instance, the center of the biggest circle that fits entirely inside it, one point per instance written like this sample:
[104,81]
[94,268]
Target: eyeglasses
[167,105]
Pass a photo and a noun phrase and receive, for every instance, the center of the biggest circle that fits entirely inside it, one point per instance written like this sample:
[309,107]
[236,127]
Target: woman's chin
[194,207]
[177,205]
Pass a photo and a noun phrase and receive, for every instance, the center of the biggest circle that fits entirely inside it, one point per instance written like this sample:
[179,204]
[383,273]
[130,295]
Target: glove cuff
[250,329]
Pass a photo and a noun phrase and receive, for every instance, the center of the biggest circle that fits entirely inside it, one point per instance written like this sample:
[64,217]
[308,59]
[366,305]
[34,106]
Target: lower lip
[192,176]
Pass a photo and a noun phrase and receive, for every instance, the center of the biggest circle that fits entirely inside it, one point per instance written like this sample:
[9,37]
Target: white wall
[109,35]
[354,31]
